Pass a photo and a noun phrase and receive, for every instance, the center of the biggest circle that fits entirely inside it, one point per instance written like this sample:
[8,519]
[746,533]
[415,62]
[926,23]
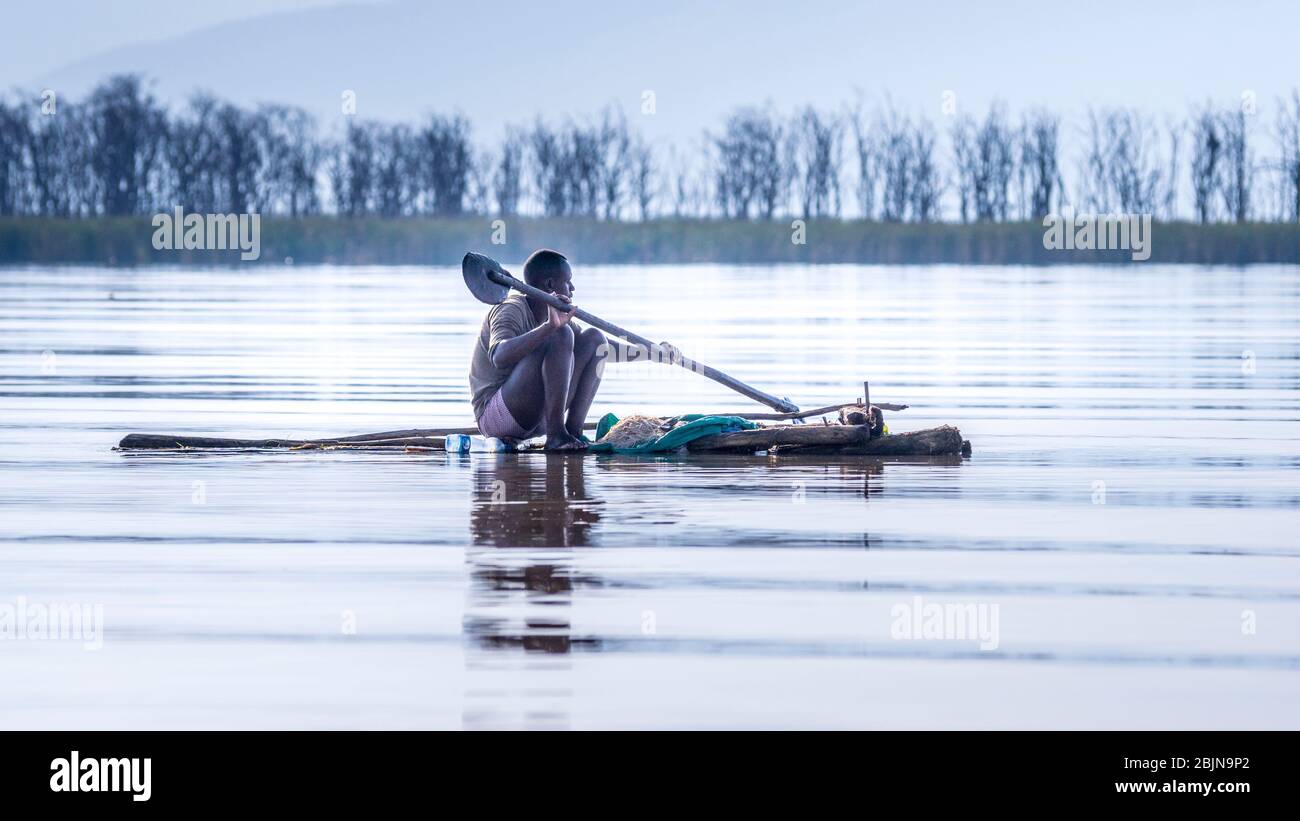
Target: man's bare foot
[565,442]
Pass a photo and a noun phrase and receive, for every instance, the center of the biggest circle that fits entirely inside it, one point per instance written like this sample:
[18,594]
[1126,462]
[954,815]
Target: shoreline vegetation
[127,241]
[81,180]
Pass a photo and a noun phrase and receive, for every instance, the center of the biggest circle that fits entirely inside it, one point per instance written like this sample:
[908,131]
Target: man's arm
[510,351]
[620,351]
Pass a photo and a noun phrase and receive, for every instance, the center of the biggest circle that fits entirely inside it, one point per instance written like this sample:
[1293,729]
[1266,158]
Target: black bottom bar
[333,770]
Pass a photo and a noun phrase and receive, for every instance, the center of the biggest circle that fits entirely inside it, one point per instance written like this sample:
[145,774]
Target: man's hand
[671,356]
[557,319]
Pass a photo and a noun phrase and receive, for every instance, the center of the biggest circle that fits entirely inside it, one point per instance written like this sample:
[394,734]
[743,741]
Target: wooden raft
[802,439]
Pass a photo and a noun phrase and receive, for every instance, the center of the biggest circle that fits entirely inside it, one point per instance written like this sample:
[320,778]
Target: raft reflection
[529,511]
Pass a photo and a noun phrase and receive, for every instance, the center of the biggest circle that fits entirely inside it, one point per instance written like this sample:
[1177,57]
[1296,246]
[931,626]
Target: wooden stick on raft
[814,412]
[153,441]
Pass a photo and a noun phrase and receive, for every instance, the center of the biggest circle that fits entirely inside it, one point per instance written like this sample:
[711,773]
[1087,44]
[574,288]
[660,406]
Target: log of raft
[837,439]
[778,439]
[154,441]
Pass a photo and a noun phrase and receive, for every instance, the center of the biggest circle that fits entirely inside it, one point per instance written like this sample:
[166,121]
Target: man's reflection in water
[527,511]
[531,500]
[527,501]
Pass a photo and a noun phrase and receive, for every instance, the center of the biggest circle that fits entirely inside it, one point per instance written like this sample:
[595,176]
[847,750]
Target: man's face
[561,283]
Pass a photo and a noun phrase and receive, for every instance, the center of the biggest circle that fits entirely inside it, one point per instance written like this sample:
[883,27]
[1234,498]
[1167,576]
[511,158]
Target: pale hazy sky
[42,35]
[507,60]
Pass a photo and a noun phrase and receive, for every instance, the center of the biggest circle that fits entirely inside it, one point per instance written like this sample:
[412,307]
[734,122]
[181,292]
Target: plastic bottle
[465,443]
[488,444]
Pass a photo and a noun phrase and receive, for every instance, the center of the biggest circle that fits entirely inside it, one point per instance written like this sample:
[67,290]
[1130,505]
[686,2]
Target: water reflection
[520,598]
[531,500]
[529,511]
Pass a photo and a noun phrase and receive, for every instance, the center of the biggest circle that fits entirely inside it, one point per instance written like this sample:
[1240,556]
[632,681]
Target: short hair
[544,263]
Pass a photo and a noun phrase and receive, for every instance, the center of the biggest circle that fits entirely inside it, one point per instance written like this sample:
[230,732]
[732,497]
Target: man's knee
[591,347]
[590,340]
[561,340]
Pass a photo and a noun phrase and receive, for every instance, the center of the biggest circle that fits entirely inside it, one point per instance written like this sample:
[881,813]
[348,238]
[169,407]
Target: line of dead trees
[119,151]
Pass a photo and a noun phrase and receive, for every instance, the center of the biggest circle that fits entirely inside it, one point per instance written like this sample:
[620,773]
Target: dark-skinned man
[533,371]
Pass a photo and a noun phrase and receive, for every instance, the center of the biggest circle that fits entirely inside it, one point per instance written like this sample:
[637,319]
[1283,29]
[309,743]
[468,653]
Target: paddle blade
[476,269]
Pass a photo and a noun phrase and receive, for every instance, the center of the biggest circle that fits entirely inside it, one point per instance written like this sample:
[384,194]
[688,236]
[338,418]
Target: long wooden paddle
[490,283]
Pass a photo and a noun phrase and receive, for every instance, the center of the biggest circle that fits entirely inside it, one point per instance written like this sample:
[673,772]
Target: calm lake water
[1125,540]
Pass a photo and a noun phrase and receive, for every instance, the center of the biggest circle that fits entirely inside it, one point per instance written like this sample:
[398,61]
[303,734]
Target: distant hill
[496,62]
[507,60]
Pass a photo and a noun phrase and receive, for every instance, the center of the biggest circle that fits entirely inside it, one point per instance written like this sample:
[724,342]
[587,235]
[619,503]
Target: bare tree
[193,149]
[291,161]
[15,136]
[925,187]
[910,184]
[868,156]
[584,162]
[895,164]
[1288,138]
[1169,201]
[1039,165]
[643,177]
[127,128]
[1207,153]
[614,149]
[966,165]
[64,182]
[686,187]
[479,183]
[751,172]
[817,145]
[1237,179]
[547,161]
[984,158]
[352,170]
[579,170]
[507,180]
[1122,163]
[239,158]
[395,166]
[444,165]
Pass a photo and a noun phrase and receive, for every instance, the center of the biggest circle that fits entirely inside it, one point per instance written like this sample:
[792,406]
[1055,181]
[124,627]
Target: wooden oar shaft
[653,350]
[812,412]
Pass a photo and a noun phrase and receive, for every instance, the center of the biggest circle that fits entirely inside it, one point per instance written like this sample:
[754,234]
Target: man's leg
[589,356]
[538,387]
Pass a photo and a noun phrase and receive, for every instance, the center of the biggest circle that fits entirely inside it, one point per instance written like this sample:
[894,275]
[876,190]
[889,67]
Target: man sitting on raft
[534,371]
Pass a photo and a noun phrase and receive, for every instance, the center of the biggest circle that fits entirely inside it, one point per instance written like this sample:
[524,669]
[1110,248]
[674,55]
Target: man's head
[550,271]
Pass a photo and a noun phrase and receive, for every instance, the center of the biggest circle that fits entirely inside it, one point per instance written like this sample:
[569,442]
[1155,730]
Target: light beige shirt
[511,318]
